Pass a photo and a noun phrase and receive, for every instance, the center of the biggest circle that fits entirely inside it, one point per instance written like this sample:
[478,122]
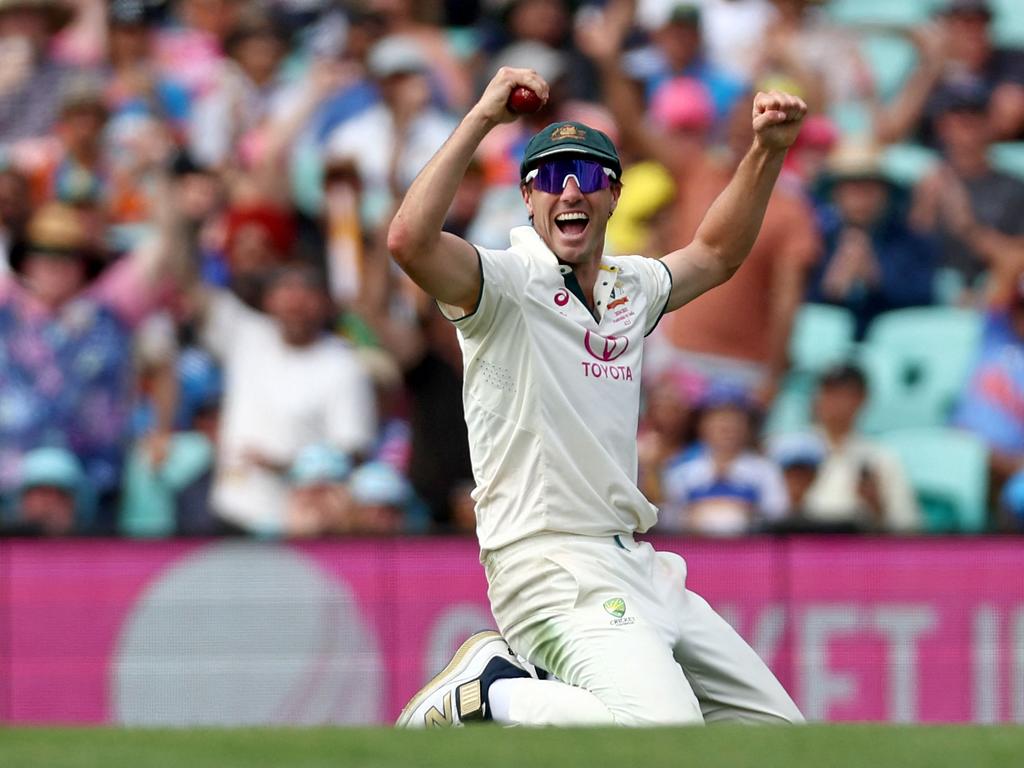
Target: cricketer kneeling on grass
[552,334]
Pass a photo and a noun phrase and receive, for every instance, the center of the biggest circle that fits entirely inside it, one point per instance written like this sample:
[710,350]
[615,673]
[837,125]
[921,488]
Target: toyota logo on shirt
[605,348]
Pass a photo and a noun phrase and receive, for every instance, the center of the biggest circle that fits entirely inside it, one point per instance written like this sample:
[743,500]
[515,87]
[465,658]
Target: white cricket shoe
[458,693]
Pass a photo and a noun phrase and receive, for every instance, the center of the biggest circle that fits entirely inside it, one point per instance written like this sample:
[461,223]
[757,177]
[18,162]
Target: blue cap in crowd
[318,464]
[376,483]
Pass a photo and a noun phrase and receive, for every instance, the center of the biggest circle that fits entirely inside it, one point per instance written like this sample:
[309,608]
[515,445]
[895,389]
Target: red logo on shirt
[605,348]
[562,298]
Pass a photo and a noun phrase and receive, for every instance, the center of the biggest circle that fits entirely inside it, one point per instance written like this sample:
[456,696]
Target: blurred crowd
[201,331]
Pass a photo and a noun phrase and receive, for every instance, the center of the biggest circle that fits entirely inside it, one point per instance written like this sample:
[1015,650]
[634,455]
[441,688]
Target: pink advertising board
[237,633]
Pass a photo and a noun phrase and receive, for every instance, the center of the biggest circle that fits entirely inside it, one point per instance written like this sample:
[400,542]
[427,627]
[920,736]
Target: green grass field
[820,746]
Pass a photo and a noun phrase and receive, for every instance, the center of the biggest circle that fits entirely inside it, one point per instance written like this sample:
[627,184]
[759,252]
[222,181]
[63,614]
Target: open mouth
[572,222]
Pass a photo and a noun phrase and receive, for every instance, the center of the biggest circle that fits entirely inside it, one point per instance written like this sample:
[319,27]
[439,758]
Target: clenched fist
[777,118]
[493,104]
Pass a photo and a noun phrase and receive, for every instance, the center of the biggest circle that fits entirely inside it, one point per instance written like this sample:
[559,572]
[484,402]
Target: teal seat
[1009,157]
[948,469]
[902,13]
[891,59]
[920,360]
[822,336]
[907,164]
[791,410]
[1008,23]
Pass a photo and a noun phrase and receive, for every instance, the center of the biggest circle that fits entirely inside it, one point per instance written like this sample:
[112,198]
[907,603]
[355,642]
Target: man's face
[968,36]
[54,279]
[964,131]
[725,429]
[49,507]
[300,308]
[838,404]
[679,42]
[571,223]
[861,201]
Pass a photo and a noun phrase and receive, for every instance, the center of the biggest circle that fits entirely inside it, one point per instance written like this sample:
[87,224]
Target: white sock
[525,701]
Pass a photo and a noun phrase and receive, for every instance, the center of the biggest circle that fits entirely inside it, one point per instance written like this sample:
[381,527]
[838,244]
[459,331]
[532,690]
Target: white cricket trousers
[613,618]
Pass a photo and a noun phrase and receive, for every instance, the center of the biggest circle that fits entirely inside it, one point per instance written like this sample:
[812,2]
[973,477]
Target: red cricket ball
[523,101]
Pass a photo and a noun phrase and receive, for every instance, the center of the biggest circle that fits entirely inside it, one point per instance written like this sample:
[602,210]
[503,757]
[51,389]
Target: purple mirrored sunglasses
[551,176]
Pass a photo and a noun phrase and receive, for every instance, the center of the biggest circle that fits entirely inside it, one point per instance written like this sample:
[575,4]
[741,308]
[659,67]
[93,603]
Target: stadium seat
[891,58]
[791,410]
[822,336]
[1009,157]
[917,361]
[1008,26]
[948,469]
[902,13]
[907,164]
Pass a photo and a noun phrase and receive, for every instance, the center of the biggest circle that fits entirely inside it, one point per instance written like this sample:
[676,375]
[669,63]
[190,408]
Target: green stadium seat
[948,469]
[791,410]
[917,361]
[1009,157]
[891,58]
[902,13]
[822,336]
[907,164]
[1008,25]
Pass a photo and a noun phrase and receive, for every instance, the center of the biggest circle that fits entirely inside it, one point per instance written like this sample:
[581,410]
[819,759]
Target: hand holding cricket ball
[512,92]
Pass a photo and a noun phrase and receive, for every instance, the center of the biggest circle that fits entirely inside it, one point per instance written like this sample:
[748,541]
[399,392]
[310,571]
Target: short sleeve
[656,285]
[225,317]
[503,277]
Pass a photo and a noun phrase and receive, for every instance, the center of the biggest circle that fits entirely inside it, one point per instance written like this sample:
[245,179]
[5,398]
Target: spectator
[973,209]
[957,51]
[873,261]
[248,89]
[382,497]
[667,431]
[287,385]
[822,59]
[65,337]
[319,503]
[399,17]
[859,484]
[799,455]
[168,477]
[31,82]
[79,177]
[53,496]
[391,141]
[679,51]
[728,489]
[134,85]
[992,404]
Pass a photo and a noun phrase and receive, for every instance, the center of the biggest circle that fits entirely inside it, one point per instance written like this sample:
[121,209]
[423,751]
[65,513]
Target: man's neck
[969,165]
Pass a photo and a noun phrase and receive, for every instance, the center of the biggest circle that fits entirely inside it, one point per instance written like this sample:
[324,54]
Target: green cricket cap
[570,138]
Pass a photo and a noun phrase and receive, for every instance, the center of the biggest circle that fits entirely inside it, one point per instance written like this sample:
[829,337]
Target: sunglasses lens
[553,175]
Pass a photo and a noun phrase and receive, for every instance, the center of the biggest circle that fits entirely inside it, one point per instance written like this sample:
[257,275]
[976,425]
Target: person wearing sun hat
[30,89]
[873,260]
[552,333]
[68,315]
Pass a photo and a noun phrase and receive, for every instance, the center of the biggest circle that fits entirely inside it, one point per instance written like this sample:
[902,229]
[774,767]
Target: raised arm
[729,228]
[443,265]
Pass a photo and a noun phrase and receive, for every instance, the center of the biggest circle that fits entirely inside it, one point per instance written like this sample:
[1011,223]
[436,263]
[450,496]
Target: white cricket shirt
[552,396]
